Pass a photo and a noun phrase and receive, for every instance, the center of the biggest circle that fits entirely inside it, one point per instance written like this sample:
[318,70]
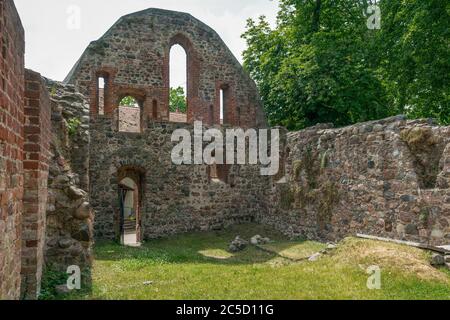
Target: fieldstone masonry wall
[174,198]
[11,148]
[386,178]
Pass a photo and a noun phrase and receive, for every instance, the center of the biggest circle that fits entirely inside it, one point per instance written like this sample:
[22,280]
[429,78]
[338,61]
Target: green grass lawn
[198,266]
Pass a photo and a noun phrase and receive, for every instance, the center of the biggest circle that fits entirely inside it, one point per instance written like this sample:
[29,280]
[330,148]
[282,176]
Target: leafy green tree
[178,100]
[129,102]
[323,64]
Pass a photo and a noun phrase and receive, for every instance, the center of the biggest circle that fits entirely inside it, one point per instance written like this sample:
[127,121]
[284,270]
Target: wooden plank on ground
[424,246]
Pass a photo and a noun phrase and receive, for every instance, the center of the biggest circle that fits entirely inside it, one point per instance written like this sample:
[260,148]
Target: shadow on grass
[207,248]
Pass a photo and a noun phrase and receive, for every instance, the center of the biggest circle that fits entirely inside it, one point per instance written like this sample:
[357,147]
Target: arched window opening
[178,84]
[101,86]
[224,98]
[129,115]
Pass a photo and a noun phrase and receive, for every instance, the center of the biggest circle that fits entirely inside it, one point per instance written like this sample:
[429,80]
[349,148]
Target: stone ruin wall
[12,75]
[175,198]
[133,57]
[386,178]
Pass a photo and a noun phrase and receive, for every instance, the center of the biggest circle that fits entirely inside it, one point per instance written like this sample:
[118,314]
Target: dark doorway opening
[130,211]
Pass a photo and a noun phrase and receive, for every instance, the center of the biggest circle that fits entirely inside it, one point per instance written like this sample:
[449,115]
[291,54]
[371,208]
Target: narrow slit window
[224,97]
[101,85]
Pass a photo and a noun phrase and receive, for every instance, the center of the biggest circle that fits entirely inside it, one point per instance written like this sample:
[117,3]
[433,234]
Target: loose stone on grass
[238,244]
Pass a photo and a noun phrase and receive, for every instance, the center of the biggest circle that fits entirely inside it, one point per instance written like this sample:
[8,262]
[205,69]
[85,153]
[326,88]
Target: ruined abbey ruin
[69,174]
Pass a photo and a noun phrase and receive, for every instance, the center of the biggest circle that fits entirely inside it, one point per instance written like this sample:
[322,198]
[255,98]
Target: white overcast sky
[52,48]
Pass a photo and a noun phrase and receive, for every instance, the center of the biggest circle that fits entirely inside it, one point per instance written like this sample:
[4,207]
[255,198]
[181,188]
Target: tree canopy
[322,63]
[178,100]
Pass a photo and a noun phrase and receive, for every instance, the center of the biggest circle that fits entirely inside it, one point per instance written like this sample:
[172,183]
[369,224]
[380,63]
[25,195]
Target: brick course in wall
[36,166]
[133,58]
[11,148]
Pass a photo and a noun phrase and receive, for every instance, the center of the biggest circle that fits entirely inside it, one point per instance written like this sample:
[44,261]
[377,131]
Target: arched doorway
[130,204]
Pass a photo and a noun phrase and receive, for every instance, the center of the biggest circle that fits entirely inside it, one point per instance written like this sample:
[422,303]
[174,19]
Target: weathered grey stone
[407,198]
[68,180]
[62,179]
[65,243]
[83,212]
[437,260]
[411,229]
[258,240]
[437,234]
[83,234]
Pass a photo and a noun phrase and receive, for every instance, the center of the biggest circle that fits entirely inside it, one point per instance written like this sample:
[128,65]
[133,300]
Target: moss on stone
[427,150]
[424,216]
[297,167]
[324,160]
[328,199]
[97,47]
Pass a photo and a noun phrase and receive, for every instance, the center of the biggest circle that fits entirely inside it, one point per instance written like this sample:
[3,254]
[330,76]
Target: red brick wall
[36,165]
[11,147]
